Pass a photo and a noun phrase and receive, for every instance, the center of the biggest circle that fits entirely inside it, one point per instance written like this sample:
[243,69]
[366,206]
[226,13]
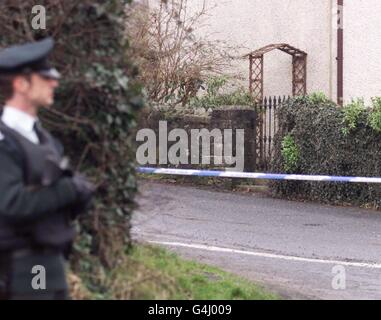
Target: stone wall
[233,118]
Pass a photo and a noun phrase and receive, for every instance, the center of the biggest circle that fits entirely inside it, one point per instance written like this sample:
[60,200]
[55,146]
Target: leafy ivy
[352,113]
[290,153]
[322,149]
[374,117]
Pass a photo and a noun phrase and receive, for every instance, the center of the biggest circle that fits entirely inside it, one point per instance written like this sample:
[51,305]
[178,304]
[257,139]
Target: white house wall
[310,25]
[362,49]
[305,24]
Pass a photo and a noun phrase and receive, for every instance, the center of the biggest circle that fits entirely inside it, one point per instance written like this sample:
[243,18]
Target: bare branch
[174,61]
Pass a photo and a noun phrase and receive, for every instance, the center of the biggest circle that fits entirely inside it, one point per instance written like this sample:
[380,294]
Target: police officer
[39,195]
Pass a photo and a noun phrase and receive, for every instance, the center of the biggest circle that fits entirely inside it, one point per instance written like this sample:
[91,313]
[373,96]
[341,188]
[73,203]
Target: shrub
[352,113]
[323,149]
[173,58]
[375,114]
[218,95]
[317,98]
[290,153]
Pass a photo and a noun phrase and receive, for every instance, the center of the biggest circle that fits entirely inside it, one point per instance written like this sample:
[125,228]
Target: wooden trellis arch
[299,69]
[299,87]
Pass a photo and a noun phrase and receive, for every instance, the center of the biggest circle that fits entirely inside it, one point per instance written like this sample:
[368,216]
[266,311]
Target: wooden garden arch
[299,85]
[299,69]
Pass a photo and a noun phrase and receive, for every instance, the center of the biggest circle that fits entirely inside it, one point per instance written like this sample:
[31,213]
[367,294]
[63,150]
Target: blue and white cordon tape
[253,175]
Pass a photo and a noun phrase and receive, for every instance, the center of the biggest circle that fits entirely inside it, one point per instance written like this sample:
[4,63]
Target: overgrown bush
[216,94]
[173,58]
[352,114]
[325,148]
[93,115]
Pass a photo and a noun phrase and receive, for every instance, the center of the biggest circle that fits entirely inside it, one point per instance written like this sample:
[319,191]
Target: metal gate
[267,127]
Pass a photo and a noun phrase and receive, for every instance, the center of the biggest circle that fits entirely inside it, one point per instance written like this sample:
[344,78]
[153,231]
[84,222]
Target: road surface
[298,250]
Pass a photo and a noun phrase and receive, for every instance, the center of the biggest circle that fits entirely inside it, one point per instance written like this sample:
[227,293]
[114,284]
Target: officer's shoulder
[8,144]
[5,141]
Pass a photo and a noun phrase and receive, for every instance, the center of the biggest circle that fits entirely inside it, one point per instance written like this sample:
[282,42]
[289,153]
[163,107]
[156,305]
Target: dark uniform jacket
[33,214]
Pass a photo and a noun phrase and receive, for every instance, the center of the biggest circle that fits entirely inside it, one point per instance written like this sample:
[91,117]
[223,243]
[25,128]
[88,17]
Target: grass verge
[150,272]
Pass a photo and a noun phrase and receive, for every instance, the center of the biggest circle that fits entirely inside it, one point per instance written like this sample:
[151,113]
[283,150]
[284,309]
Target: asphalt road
[299,250]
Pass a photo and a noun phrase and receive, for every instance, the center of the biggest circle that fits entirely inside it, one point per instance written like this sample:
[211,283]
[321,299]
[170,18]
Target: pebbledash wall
[310,26]
[362,48]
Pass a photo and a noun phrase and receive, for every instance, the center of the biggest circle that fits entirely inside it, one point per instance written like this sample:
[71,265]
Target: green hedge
[94,114]
[319,138]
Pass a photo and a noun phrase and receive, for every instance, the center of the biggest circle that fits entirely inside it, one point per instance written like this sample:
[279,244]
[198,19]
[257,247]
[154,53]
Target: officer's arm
[18,204]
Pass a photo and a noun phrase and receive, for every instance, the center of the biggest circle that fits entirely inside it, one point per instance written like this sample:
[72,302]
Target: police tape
[254,175]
